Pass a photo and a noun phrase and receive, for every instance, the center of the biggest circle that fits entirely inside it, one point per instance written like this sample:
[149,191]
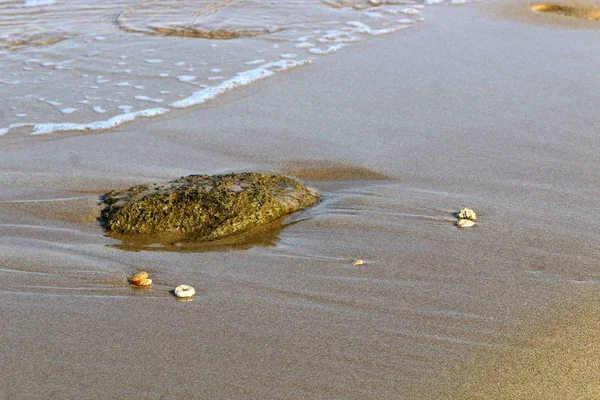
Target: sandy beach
[473,107]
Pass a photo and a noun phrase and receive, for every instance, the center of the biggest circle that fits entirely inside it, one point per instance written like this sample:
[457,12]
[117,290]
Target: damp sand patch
[323,171]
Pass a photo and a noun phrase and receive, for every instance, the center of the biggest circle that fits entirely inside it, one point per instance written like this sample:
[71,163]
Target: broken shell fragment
[467,213]
[465,223]
[357,262]
[184,291]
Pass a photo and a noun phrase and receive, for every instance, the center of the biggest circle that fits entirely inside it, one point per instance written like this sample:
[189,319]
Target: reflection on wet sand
[264,236]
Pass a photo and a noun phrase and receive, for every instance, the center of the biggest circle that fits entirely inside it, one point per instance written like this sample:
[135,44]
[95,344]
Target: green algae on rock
[203,207]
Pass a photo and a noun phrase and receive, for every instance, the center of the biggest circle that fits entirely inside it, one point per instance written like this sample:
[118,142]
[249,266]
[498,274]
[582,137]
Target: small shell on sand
[141,282]
[184,291]
[138,276]
[357,262]
[467,213]
[464,223]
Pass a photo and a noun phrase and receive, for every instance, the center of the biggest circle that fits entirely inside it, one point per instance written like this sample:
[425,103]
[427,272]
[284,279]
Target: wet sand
[468,110]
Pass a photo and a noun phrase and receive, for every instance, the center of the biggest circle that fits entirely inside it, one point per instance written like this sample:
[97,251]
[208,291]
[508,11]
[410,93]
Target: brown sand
[464,111]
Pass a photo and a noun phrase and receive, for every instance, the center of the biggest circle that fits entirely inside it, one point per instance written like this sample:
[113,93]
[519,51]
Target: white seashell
[183,291]
[467,213]
[358,261]
[464,223]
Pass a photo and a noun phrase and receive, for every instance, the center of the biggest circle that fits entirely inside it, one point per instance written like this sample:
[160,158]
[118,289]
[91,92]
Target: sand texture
[398,134]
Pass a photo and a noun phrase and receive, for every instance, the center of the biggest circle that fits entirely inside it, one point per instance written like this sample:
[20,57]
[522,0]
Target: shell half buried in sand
[184,291]
[465,223]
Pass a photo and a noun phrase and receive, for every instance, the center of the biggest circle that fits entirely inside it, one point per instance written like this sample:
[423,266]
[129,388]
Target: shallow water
[125,60]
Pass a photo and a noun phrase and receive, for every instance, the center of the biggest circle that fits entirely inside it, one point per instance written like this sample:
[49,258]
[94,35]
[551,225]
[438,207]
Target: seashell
[138,276]
[141,282]
[357,262]
[467,213]
[184,291]
[465,223]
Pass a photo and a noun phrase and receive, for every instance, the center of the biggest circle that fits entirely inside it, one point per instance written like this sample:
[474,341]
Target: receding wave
[91,76]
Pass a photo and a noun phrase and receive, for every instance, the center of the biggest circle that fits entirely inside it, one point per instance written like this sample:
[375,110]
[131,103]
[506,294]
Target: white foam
[242,79]
[146,98]
[38,3]
[216,70]
[127,109]
[373,14]
[153,61]
[331,49]
[68,110]
[9,82]
[41,129]
[409,10]
[362,28]
[53,103]
[254,62]
[186,78]
[335,36]
[288,55]
[304,45]
[215,78]
[99,109]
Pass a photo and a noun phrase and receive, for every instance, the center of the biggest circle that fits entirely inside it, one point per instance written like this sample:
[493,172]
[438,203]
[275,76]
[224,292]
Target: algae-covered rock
[202,207]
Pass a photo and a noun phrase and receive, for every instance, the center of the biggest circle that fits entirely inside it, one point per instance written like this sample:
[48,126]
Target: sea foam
[41,129]
[242,79]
